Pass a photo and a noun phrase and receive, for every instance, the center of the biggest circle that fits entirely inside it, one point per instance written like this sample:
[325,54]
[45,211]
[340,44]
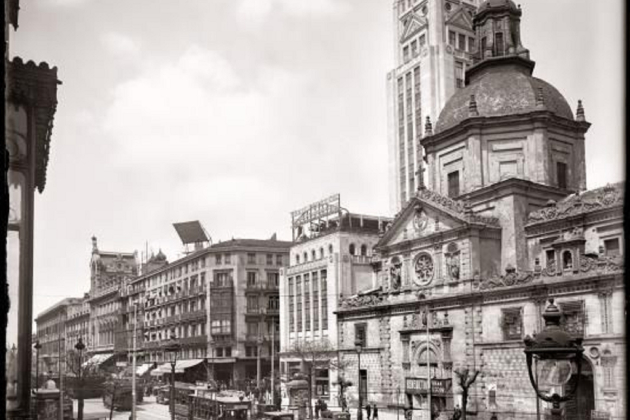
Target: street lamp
[37,346]
[171,351]
[359,346]
[557,355]
[80,347]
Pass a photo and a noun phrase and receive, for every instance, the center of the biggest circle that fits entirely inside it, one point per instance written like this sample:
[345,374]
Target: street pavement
[146,410]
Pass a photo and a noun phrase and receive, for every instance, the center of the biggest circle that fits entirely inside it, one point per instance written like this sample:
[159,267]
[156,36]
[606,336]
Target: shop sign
[419,386]
[600,415]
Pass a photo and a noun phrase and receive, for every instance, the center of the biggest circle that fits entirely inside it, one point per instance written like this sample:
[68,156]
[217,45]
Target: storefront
[417,391]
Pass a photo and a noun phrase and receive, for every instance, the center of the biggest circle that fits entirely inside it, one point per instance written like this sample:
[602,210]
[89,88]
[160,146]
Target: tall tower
[433,43]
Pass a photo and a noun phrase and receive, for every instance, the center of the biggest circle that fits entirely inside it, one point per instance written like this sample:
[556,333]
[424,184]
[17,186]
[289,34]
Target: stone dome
[502,89]
[495,4]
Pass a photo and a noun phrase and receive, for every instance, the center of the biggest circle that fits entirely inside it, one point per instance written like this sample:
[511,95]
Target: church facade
[502,224]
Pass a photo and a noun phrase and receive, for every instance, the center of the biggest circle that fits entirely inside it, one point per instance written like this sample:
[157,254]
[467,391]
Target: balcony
[261,286]
[186,316]
[200,339]
[226,284]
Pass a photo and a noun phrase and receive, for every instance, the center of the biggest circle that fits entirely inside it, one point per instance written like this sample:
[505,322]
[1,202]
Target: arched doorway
[580,406]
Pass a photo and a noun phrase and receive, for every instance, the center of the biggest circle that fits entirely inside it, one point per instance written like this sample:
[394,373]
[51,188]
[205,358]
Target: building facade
[327,263]
[504,224]
[220,302]
[433,44]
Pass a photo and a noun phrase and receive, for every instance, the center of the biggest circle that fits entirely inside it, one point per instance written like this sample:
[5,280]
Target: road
[146,410]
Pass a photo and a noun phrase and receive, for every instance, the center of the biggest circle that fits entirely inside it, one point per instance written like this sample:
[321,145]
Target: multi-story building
[78,323]
[53,333]
[331,259]
[470,263]
[433,42]
[109,273]
[220,302]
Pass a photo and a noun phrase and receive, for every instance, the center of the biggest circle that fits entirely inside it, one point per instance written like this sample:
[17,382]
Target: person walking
[318,407]
[368,409]
[374,412]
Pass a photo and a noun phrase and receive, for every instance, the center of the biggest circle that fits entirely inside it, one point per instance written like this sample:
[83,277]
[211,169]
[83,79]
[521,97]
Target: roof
[59,305]
[503,86]
[497,4]
[191,232]
[252,243]
[609,196]
[179,367]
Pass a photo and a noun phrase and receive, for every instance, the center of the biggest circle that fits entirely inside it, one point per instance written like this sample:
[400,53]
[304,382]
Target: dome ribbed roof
[502,89]
[494,4]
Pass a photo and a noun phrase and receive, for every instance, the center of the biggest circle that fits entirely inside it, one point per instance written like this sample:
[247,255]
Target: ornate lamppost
[37,346]
[171,351]
[557,356]
[359,346]
[80,347]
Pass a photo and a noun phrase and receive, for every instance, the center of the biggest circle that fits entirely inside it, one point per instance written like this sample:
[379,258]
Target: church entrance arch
[583,401]
[427,363]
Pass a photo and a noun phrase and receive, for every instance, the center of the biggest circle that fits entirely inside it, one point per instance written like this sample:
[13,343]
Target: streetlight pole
[428,314]
[358,344]
[172,349]
[133,362]
[273,350]
[80,347]
[37,346]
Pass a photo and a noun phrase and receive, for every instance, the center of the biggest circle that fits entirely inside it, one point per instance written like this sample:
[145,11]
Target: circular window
[424,269]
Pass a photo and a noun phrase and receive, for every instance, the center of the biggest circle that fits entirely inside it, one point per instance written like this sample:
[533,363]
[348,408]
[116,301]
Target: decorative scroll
[601,263]
[455,206]
[511,278]
[420,319]
[599,198]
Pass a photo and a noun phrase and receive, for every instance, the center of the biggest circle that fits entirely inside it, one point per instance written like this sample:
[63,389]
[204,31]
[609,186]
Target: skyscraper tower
[433,43]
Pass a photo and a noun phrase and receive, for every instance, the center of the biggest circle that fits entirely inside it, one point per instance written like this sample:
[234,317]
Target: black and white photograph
[314,210]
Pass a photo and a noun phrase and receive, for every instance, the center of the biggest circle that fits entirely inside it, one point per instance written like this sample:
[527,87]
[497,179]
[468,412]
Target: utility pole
[133,362]
[60,349]
[429,366]
[273,351]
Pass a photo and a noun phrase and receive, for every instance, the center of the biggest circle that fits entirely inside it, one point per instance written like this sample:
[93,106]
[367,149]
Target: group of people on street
[320,407]
[372,411]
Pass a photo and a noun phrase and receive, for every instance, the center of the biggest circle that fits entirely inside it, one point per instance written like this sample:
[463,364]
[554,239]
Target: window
[360,334]
[330,249]
[363,378]
[573,317]
[567,260]
[512,323]
[252,303]
[550,256]
[274,303]
[561,173]
[453,184]
[471,44]
[297,259]
[273,280]
[315,283]
[251,258]
[269,259]
[291,307]
[250,351]
[364,250]
[313,257]
[298,294]
[324,300]
[222,279]
[251,278]
[499,49]
[352,250]
[406,54]
[483,46]
[227,258]
[321,383]
[252,328]
[221,326]
[228,351]
[422,40]
[452,38]
[219,351]
[305,256]
[611,247]
[321,253]
[462,42]
[307,303]
[414,48]
[459,74]
[278,259]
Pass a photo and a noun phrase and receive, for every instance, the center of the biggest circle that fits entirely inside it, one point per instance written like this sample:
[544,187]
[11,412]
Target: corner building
[504,224]
[327,264]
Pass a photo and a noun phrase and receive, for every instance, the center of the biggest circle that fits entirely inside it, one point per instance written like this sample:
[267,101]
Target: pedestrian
[324,406]
[317,408]
[374,412]
[368,409]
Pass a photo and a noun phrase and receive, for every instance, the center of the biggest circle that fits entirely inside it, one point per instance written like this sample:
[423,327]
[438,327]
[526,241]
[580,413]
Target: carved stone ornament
[599,198]
[423,267]
[455,206]
[452,261]
[511,278]
[361,301]
[420,220]
[395,273]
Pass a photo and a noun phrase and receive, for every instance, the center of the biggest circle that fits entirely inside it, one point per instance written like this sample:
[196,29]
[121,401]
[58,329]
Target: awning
[179,367]
[142,369]
[98,359]
[222,360]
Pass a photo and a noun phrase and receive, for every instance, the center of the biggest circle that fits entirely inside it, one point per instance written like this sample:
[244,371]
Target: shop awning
[98,359]
[180,367]
[222,360]
[142,369]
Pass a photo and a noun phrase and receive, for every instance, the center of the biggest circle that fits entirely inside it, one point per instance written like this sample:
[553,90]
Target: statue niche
[452,261]
[395,273]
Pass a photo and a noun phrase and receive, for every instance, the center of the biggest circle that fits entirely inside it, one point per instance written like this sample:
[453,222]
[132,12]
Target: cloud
[253,13]
[119,44]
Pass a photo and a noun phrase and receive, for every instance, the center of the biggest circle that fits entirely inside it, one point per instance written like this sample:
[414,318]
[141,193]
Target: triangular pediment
[428,213]
[413,25]
[461,19]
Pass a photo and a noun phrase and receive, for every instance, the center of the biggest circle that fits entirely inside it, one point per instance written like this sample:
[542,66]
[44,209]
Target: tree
[315,357]
[343,384]
[465,379]
[80,376]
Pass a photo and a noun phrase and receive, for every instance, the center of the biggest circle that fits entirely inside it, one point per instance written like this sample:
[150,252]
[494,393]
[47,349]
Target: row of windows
[273,279]
[312,297]
[273,302]
[181,331]
[458,41]
[252,258]
[412,49]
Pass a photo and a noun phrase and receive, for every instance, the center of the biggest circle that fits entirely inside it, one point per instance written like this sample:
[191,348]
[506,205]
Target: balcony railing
[262,285]
[200,339]
[193,315]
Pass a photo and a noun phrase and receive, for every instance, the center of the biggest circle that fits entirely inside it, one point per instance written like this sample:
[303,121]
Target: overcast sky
[235,112]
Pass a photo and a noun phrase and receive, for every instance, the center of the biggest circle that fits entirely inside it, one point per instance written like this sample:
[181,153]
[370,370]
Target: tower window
[483,46]
[453,184]
[462,42]
[459,74]
[567,260]
[498,44]
[471,44]
[561,172]
[452,38]
[352,250]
